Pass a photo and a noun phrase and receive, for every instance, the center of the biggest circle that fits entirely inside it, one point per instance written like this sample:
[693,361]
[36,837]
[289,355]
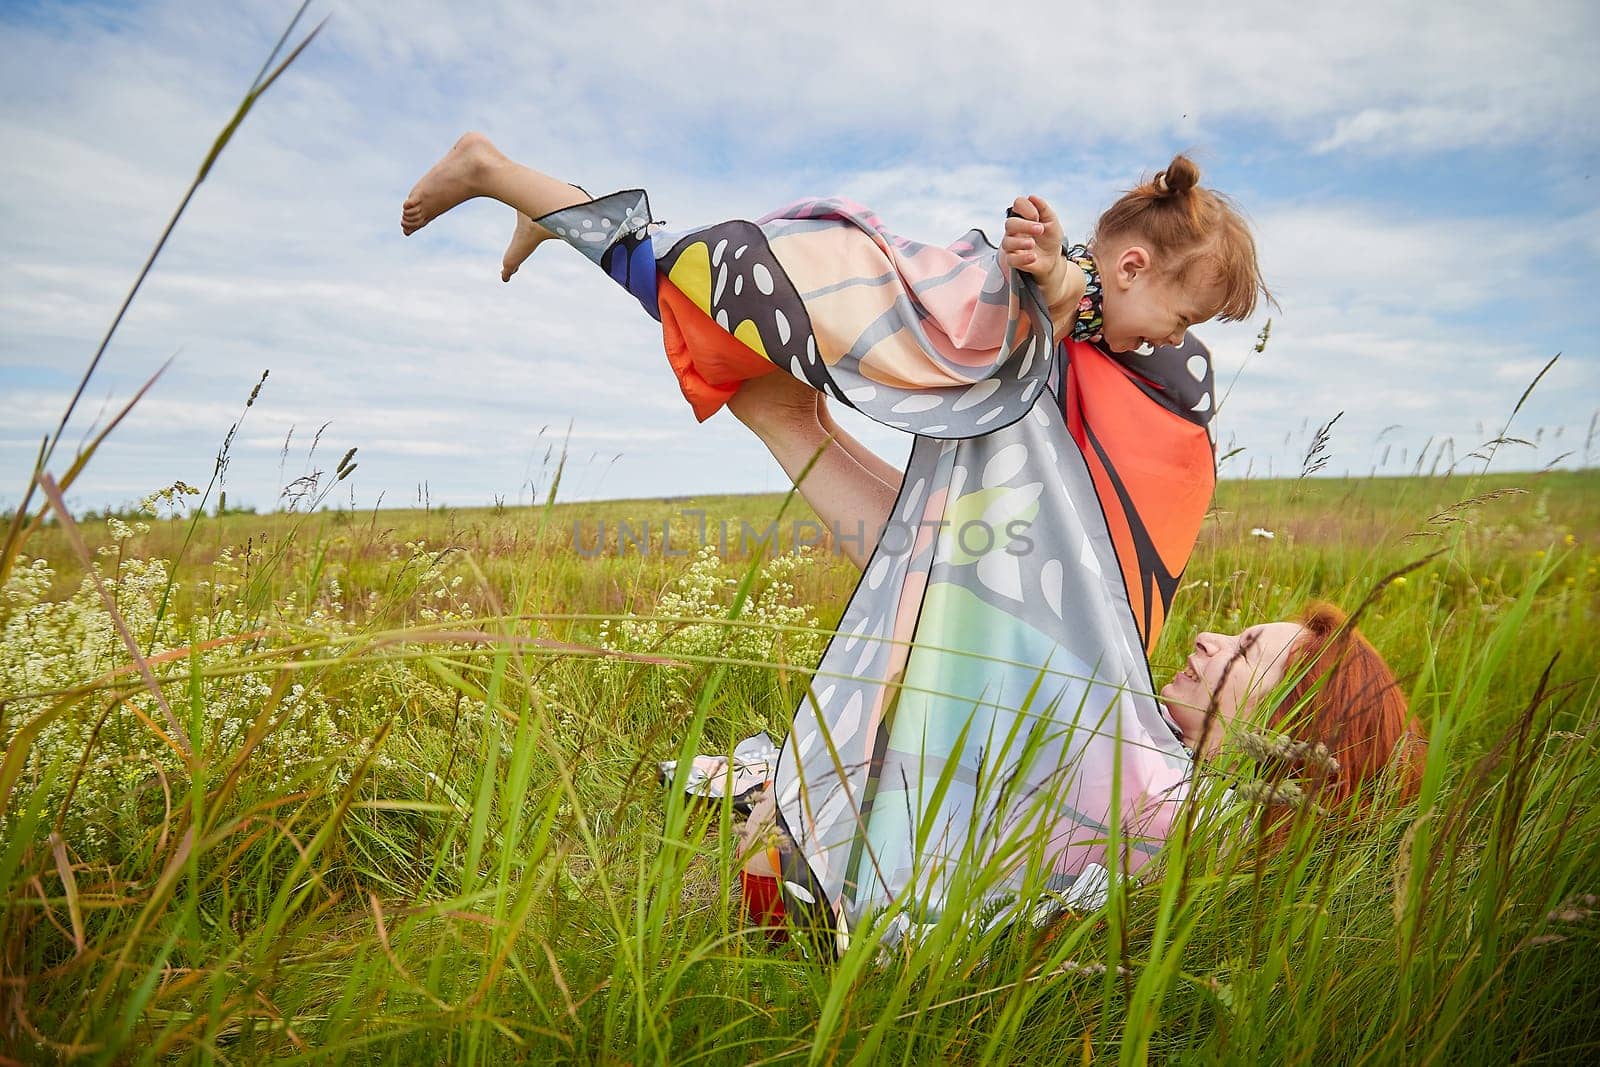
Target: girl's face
[1141,305]
[1230,674]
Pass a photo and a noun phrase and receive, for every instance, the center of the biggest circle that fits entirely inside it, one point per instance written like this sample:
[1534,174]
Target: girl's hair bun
[1180,176]
[1189,228]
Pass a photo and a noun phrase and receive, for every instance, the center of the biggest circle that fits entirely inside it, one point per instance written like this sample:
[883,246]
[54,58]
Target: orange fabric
[1154,472]
[763,902]
[710,363]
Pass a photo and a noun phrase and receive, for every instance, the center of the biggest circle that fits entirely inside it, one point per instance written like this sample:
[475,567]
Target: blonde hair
[1189,229]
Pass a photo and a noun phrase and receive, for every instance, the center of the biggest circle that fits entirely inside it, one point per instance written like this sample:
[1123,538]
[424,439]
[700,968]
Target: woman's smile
[1225,675]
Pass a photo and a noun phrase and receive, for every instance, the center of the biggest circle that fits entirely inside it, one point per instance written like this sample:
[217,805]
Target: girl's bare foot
[457,177]
[528,236]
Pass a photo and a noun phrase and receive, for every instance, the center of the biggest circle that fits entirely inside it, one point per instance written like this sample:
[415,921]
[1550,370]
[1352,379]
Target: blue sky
[1421,178]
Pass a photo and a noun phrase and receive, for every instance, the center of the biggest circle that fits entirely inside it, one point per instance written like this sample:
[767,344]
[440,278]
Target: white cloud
[291,256]
[1420,128]
[1393,320]
[1004,76]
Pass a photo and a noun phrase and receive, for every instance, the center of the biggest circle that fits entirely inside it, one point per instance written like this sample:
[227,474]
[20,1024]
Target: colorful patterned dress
[987,705]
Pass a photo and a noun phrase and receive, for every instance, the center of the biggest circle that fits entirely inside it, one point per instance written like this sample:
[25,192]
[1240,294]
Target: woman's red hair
[1345,696]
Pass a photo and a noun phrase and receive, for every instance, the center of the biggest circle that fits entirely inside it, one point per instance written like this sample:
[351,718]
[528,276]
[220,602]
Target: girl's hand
[1033,243]
[1033,237]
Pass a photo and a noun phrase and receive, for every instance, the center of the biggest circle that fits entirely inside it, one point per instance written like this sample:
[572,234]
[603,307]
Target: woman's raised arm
[852,496]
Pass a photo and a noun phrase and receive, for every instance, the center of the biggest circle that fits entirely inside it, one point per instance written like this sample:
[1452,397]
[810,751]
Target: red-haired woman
[1342,695]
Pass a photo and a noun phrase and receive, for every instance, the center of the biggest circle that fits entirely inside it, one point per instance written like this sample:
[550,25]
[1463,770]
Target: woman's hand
[1033,243]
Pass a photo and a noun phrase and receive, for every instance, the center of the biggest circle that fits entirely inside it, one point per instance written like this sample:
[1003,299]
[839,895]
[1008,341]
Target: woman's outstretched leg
[475,167]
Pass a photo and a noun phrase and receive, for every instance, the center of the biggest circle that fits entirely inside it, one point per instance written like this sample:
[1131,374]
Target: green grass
[420,822]
[379,787]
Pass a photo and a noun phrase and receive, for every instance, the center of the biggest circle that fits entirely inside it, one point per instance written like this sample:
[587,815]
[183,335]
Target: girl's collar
[1090,322]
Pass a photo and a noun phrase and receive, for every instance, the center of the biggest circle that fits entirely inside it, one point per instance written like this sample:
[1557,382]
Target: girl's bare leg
[524,239]
[475,167]
[847,496]
[849,487]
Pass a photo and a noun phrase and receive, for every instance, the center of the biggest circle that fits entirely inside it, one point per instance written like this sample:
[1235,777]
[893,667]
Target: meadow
[379,787]
[397,801]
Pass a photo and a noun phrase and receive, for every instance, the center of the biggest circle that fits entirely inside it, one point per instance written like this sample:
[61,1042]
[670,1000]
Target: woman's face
[1230,674]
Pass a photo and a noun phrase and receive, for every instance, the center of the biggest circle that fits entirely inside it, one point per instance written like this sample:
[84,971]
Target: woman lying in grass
[987,705]
[1337,733]
[1347,733]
